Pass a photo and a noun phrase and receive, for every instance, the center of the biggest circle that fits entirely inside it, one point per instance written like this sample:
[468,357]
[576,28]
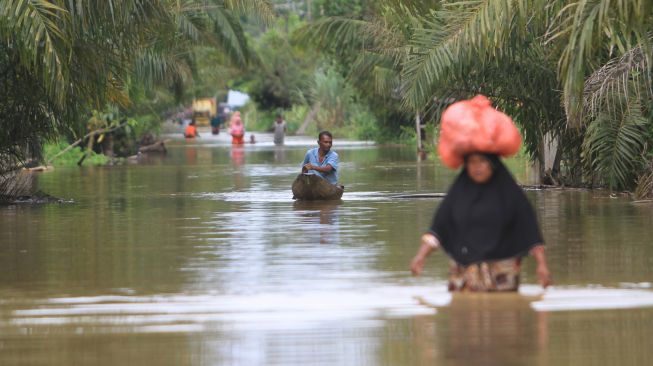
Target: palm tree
[66,57]
[544,62]
[374,50]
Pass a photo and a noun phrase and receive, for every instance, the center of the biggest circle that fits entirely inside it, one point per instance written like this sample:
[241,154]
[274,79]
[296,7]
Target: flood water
[201,257]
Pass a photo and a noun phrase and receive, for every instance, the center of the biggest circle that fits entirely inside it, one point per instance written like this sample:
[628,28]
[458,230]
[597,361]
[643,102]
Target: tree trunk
[309,117]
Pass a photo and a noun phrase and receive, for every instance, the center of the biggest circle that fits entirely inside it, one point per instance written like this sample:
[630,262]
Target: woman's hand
[543,275]
[428,244]
[417,265]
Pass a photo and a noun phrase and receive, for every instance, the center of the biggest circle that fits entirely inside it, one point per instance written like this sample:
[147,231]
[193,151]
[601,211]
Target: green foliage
[295,117]
[263,121]
[121,138]
[408,135]
[71,157]
[613,148]
[582,27]
[335,96]
[67,58]
[289,79]
[341,108]
[551,65]
[278,77]
[25,110]
[255,119]
[143,124]
[329,8]
[364,126]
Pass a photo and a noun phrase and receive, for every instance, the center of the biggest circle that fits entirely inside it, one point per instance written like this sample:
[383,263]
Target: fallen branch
[92,133]
[158,146]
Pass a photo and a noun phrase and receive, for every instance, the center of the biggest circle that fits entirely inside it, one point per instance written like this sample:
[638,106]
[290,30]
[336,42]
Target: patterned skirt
[501,275]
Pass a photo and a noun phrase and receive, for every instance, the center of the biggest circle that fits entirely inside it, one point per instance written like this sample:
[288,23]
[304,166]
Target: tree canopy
[578,70]
[62,58]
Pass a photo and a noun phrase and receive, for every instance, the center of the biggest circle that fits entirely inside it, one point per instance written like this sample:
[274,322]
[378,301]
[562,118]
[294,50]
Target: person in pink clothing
[236,129]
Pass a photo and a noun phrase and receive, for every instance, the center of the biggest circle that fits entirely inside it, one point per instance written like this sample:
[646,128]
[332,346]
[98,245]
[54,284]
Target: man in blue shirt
[321,160]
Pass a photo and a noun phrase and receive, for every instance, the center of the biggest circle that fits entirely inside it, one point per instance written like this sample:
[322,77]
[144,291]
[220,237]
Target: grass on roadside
[71,157]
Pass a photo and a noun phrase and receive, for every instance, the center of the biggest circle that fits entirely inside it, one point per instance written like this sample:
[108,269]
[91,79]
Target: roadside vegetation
[574,72]
[61,62]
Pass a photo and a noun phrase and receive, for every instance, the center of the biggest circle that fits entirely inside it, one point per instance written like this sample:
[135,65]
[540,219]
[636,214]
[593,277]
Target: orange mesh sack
[472,126]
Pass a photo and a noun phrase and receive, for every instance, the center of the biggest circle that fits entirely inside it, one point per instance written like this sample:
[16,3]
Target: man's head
[279,118]
[325,140]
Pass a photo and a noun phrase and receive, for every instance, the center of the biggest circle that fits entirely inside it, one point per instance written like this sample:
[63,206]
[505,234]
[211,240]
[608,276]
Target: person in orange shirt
[236,129]
[191,130]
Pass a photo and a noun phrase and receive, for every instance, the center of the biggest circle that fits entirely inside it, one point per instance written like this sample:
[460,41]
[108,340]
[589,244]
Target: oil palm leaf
[38,30]
[613,147]
[455,36]
[261,9]
[616,77]
[229,36]
[590,27]
[157,66]
[342,34]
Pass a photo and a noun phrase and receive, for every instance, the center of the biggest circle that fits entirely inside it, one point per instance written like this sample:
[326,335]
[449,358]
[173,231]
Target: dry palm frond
[616,78]
[644,187]
[16,184]
[584,25]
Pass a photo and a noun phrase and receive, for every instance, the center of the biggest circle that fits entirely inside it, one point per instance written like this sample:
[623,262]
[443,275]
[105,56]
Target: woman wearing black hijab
[485,225]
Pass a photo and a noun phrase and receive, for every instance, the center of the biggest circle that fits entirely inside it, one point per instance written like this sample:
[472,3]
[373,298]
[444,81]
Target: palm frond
[39,27]
[154,66]
[585,24]
[339,34]
[261,9]
[377,69]
[229,35]
[460,33]
[188,24]
[612,147]
[615,78]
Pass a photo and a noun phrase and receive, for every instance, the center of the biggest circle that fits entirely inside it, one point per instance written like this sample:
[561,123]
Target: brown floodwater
[201,257]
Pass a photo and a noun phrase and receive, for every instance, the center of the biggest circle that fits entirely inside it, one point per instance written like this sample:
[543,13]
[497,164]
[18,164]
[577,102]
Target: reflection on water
[201,257]
[191,155]
[320,219]
[280,156]
[481,327]
[238,155]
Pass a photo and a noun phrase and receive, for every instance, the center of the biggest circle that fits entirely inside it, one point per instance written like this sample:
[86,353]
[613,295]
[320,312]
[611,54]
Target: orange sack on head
[472,126]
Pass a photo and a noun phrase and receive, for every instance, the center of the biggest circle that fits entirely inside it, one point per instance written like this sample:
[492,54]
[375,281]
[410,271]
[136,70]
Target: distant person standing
[279,130]
[215,124]
[237,129]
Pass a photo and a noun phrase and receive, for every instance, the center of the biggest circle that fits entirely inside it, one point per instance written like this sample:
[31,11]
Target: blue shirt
[331,158]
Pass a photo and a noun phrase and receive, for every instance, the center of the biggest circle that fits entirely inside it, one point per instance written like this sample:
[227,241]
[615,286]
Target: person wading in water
[485,224]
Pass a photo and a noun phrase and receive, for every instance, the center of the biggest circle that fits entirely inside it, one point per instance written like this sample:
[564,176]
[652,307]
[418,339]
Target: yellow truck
[203,110]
